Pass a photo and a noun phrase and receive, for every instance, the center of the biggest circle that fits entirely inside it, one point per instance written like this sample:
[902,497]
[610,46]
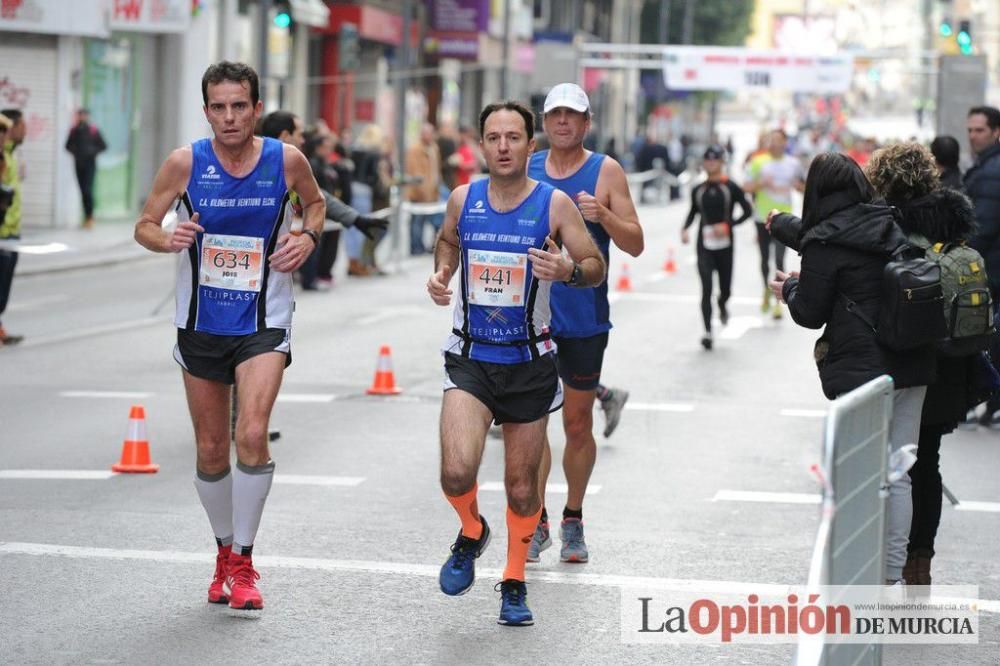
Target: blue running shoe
[514,611]
[459,572]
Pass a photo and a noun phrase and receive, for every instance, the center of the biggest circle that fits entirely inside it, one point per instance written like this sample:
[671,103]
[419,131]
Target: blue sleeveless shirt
[224,283]
[578,312]
[502,314]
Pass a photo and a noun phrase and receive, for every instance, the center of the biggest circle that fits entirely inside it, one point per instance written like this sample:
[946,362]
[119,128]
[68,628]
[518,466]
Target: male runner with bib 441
[234,303]
[499,360]
[580,317]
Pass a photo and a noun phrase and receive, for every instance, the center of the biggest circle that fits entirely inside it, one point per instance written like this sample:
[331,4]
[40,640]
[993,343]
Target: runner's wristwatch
[575,276]
[312,234]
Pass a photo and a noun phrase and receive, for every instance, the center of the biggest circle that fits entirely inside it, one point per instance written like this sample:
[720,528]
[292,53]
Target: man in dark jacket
[85,143]
[982,184]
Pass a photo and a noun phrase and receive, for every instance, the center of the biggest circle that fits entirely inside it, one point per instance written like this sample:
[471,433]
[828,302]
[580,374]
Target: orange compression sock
[467,509]
[520,529]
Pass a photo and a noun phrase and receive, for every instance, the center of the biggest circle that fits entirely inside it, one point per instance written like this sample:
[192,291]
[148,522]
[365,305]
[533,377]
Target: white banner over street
[722,68]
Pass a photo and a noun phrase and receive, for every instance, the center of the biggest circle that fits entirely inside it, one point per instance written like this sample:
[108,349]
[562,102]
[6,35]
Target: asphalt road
[114,570]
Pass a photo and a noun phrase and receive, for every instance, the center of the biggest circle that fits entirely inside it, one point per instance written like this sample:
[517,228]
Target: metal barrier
[850,542]
[662,178]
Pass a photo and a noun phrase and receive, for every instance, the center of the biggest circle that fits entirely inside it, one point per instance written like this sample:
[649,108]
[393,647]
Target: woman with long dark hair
[846,236]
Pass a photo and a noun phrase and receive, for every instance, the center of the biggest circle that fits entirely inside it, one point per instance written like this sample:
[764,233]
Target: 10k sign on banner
[721,68]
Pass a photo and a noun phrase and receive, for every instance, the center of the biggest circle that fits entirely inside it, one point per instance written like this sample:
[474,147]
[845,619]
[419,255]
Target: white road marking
[562,488]
[58,474]
[738,326]
[106,394]
[676,298]
[989,507]
[306,397]
[311,480]
[33,248]
[101,329]
[423,570]
[37,303]
[804,413]
[761,496]
[660,406]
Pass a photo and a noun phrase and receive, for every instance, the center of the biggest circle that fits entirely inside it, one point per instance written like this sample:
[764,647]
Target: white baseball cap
[568,95]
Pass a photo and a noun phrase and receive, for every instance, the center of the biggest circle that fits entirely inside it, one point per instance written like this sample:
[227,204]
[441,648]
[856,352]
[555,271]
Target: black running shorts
[580,361]
[215,357]
[514,393]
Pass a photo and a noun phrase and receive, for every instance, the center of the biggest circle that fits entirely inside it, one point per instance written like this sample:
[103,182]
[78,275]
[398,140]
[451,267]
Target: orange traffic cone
[624,282]
[135,450]
[385,380]
[671,266]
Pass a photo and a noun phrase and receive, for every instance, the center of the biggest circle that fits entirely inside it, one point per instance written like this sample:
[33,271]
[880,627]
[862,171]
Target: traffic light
[964,37]
[282,17]
[945,28]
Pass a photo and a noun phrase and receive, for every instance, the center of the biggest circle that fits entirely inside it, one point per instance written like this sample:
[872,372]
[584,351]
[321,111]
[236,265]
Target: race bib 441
[497,278]
[232,262]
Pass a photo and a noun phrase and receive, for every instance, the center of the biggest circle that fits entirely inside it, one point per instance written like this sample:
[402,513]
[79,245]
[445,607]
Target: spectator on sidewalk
[448,140]
[10,227]
[372,156]
[470,157]
[945,150]
[85,143]
[423,161]
[287,128]
[982,184]
[906,175]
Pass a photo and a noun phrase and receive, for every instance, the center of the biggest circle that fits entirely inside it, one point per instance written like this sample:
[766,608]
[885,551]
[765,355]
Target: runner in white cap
[580,317]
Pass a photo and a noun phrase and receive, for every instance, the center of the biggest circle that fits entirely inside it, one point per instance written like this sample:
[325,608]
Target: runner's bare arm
[613,209]
[170,182]
[446,248]
[566,224]
[293,250]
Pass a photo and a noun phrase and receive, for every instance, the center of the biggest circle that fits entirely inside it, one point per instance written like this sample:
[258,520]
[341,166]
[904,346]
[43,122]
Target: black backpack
[911,309]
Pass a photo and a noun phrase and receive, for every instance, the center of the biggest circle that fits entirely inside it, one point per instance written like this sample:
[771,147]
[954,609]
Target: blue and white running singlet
[578,312]
[224,283]
[502,313]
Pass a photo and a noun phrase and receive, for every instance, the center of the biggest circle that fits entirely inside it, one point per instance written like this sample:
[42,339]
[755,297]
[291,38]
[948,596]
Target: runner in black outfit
[714,200]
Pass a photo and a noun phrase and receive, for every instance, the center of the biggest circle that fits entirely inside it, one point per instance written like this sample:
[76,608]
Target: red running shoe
[215,593]
[240,585]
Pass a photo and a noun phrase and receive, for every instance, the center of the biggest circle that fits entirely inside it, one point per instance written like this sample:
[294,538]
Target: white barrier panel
[850,542]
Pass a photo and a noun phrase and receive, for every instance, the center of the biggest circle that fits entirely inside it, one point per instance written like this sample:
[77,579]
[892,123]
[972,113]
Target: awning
[310,12]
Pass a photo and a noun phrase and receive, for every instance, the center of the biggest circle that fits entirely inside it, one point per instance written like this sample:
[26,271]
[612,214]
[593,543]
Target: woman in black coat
[845,237]
[906,175]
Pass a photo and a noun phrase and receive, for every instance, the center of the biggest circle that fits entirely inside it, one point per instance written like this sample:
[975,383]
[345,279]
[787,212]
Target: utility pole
[926,61]
[688,22]
[402,65]
[263,31]
[505,64]
[664,21]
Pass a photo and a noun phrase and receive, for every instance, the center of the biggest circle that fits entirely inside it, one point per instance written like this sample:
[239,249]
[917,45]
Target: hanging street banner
[725,68]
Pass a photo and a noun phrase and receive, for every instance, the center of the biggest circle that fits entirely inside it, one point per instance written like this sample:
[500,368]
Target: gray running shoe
[612,408]
[539,541]
[574,548]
